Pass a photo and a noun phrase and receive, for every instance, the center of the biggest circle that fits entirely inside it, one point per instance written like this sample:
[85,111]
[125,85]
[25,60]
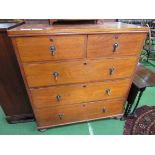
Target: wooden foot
[118,117]
[42,130]
[133,115]
[123,118]
[130,116]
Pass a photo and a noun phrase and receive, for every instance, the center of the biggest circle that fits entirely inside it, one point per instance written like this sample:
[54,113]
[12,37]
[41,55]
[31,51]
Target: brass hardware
[108,92]
[111,70]
[55,74]
[104,110]
[58,97]
[115,46]
[61,115]
[52,49]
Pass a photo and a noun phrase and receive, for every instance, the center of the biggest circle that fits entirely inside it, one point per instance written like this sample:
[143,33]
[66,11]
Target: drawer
[57,95]
[115,44]
[104,108]
[79,112]
[51,48]
[54,73]
[59,115]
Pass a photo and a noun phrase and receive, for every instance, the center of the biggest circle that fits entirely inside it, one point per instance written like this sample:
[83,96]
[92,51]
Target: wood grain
[86,67]
[78,71]
[78,112]
[102,45]
[38,48]
[71,94]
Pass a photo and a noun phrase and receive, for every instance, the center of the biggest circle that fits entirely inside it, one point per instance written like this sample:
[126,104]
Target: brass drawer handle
[108,91]
[56,74]
[115,46]
[52,50]
[111,70]
[104,109]
[58,97]
[61,115]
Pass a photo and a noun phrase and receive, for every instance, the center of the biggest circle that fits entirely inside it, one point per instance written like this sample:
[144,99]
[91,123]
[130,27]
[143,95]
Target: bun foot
[42,130]
[118,117]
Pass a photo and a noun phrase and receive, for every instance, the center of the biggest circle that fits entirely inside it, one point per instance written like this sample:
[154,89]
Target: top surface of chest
[46,29]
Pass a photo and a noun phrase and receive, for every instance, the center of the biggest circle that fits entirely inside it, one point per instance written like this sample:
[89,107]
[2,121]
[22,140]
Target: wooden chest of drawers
[76,73]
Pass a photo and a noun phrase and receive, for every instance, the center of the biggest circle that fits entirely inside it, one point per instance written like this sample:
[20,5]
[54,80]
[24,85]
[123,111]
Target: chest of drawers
[76,73]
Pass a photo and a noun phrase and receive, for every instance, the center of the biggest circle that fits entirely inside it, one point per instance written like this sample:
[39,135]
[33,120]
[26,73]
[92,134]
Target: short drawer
[51,48]
[55,73]
[79,112]
[71,94]
[115,44]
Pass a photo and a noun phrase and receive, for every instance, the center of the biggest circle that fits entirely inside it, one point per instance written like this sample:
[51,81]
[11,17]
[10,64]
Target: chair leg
[148,55]
[131,98]
[139,97]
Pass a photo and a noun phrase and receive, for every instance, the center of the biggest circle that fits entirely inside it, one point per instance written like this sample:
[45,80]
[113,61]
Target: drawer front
[115,45]
[51,48]
[71,94]
[104,108]
[79,112]
[45,74]
[59,115]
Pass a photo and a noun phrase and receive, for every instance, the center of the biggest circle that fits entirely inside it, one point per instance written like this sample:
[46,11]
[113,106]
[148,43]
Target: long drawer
[55,73]
[51,48]
[115,44]
[71,94]
[79,112]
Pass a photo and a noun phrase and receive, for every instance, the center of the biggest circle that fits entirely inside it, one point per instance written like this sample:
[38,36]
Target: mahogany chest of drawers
[76,73]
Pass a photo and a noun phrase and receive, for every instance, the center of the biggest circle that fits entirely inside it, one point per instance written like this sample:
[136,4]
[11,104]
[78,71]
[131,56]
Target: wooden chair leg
[139,97]
[131,98]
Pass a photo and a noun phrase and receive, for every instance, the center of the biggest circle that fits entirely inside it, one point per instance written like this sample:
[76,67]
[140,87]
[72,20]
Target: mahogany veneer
[75,73]
[41,74]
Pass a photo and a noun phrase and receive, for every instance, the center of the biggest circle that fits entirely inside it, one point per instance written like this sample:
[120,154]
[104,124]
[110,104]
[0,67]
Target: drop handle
[56,74]
[115,46]
[61,115]
[52,50]
[111,70]
[58,97]
[108,92]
